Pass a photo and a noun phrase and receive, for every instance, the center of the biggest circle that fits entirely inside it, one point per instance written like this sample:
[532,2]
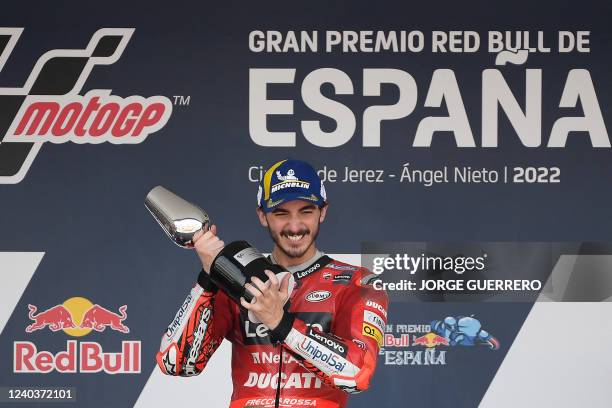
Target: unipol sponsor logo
[321,354]
[53,107]
[179,316]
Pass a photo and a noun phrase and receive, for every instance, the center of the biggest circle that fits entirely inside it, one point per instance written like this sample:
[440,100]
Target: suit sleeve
[346,358]
[196,331]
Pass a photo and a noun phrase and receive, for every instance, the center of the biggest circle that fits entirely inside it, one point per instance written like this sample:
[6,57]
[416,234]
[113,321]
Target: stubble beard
[293,251]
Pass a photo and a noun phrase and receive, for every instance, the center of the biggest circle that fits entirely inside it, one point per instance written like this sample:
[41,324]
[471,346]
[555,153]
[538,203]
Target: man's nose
[295,225]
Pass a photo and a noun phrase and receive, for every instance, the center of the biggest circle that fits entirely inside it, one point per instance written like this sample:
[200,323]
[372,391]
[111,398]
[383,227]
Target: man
[314,351]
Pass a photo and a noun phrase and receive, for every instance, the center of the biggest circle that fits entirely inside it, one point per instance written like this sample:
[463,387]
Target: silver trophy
[237,262]
[179,218]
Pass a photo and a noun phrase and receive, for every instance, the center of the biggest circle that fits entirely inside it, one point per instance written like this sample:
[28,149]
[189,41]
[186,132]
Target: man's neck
[284,260]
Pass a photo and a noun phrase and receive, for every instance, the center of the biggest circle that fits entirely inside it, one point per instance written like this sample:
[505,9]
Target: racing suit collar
[302,266]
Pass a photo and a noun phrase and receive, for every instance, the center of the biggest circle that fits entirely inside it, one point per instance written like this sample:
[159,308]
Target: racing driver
[314,352]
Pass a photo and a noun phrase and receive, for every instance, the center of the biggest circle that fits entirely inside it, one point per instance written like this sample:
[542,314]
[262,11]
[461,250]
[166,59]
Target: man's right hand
[207,245]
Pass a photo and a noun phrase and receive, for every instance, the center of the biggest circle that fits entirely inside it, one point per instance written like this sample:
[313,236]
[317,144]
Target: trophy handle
[236,264]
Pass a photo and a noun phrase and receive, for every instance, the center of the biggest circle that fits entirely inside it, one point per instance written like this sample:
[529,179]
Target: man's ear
[323,212]
[262,217]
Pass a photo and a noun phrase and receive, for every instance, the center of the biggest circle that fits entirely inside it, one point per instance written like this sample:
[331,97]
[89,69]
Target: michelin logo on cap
[289,177]
[289,180]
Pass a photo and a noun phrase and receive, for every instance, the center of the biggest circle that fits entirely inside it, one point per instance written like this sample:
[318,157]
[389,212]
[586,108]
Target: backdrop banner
[464,149]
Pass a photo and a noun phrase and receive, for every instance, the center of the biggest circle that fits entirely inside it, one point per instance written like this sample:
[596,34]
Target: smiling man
[292,209]
[310,346]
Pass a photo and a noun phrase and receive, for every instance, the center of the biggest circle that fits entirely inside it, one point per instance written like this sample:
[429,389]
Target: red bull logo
[87,356]
[56,318]
[430,340]
[99,318]
[77,317]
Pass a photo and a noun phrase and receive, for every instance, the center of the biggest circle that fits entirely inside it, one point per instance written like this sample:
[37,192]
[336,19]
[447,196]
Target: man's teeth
[295,237]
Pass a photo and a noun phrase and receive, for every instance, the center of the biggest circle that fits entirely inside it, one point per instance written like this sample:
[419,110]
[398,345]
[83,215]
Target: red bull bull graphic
[419,341]
[429,340]
[99,318]
[56,318]
[439,340]
[77,317]
[61,317]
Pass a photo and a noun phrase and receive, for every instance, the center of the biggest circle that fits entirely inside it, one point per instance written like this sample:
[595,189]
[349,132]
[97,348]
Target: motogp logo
[50,106]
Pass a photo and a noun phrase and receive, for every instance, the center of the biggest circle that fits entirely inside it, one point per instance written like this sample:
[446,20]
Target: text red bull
[391,341]
[89,359]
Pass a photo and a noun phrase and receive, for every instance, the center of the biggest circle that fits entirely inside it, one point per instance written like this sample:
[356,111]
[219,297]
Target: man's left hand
[269,299]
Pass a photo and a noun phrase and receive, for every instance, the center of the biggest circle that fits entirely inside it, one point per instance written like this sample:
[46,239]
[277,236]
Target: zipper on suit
[278,378]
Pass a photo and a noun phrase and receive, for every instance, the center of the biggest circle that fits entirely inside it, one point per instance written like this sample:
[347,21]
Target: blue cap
[290,180]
